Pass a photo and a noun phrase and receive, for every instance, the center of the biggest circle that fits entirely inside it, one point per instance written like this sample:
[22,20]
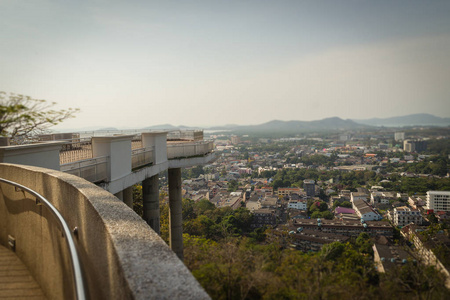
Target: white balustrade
[142,157]
[185,150]
[93,170]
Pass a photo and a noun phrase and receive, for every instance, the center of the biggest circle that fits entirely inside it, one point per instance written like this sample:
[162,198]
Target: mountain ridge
[293,126]
[421,119]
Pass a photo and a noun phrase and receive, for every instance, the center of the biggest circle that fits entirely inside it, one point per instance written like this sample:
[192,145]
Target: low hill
[277,126]
[408,120]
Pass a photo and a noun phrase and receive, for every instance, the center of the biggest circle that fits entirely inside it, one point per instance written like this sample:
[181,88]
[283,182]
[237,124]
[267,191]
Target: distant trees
[194,172]
[418,185]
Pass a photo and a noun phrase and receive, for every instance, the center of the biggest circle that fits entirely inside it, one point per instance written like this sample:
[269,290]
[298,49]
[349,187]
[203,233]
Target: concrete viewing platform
[16,281]
[107,251]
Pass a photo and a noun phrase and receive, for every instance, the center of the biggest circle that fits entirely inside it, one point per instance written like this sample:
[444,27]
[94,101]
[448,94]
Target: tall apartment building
[399,136]
[310,187]
[235,140]
[438,200]
[414,146]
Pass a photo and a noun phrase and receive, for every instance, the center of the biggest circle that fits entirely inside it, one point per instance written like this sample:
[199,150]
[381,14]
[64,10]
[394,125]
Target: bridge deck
[16,281]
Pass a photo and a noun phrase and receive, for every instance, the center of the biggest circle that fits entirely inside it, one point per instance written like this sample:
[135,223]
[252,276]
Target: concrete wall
[122,258]
[118,148]
[159,141]
[41,154]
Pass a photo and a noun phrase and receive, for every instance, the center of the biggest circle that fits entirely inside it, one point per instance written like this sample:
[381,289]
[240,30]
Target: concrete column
[119,195]
[175,212]
[128,196]
[150,195]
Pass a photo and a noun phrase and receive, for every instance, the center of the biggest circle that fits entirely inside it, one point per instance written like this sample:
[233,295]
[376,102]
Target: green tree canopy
[21,116]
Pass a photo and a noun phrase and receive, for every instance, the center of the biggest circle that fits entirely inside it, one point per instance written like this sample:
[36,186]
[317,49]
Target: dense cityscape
[324,215]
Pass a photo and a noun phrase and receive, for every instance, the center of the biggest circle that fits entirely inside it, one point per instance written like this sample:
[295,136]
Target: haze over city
[203,63]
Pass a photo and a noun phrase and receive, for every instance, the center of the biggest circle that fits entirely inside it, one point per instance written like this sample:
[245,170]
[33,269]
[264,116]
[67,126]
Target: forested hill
[288,127]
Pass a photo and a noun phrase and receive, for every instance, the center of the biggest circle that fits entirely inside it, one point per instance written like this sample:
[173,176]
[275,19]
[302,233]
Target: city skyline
[208,63]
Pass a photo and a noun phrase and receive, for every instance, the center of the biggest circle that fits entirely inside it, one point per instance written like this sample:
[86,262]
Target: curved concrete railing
[67,234]
[121,257]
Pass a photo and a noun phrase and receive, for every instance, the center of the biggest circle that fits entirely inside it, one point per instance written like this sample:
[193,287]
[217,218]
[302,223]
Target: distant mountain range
[333,124]
[328,124]
[278,126]
[409,120]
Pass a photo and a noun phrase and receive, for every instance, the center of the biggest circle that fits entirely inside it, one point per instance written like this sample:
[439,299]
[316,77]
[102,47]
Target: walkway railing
[142,157]
[136,143]
[67,234]
[76,157]
[186,135]
[75,150]
[93,170]
[184,150]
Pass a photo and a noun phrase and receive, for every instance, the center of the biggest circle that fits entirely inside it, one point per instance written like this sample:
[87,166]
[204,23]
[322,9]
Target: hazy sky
[198,63]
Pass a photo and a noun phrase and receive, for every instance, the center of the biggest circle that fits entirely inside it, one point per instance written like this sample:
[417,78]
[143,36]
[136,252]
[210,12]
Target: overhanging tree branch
[22,116]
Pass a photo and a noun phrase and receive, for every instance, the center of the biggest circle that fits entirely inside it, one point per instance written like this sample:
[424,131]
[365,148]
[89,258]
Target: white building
[380,197]
[404,215]
[358,196]
[399,136]
[438,200]
[365,211]
[297,204]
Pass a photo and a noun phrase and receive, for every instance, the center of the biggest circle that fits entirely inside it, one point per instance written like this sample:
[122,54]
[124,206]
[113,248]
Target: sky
[132,64]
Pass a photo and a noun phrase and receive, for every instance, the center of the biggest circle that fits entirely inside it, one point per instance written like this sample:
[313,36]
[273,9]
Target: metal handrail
[76,267]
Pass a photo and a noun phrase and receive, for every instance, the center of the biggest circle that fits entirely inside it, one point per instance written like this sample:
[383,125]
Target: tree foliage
[239,268]
[21,116]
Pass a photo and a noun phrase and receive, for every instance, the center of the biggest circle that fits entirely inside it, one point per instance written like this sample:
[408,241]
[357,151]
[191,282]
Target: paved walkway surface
[16,281]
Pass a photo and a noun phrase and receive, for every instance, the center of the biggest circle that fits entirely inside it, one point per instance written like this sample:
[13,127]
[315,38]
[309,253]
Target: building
[402,216]
[381,197]
[235,140]
[346,227]
[416,202]
[365,211]
[288,191]
[266,190]
[264,217]
[310,187]
[414,146]
[399,136]
[297,204]
[388,256]
[438,200]
[313,240]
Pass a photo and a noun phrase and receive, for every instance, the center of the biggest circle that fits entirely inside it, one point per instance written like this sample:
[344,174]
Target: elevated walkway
[16,281]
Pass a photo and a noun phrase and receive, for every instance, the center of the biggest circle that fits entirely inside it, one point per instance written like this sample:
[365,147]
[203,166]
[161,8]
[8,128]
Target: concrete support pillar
[128,196]
[119,195]
[150,195]
[175,212]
